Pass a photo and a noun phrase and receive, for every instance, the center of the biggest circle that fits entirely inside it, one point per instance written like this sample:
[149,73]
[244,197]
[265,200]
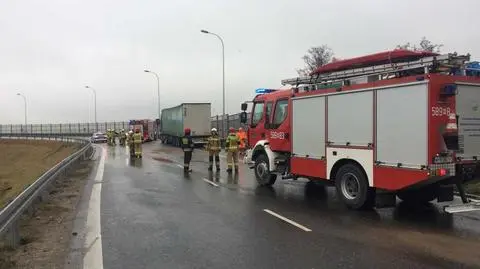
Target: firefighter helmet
[214,130]
[187,131]
[231,130]
[240,129]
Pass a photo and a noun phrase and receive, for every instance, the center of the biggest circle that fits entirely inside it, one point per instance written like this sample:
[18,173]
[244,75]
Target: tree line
[322,55]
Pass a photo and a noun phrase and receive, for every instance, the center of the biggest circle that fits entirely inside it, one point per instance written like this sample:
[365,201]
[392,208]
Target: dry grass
[23,161]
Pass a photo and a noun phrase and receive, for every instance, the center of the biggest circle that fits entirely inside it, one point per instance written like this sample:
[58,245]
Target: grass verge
[23,161]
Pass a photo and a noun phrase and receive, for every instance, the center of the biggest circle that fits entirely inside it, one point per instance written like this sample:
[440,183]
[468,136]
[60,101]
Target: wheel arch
[263,147]
[343,162]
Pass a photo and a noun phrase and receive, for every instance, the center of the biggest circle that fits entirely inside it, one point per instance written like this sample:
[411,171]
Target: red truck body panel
[383,177]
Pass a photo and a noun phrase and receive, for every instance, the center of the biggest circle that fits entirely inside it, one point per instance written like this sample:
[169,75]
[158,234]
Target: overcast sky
[49,50]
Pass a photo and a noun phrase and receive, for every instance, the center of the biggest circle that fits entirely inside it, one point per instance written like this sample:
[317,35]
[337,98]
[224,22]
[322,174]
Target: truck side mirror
[244,106]
[243,117]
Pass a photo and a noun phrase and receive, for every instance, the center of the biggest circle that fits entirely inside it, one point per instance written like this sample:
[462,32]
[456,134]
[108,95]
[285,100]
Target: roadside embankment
[23,161]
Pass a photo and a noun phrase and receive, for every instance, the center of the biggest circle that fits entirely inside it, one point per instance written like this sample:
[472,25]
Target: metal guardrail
[10,214]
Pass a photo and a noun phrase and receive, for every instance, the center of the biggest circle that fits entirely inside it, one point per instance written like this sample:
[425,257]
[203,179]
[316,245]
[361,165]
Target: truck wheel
[352,186]
[421,196]
[262,171]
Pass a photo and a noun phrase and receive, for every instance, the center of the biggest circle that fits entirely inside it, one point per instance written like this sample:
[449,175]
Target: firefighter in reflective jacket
[109,137]
[130,143]
[187,147]
[231,146]
[122,137]
[137,141]
[242,135]
[213,148]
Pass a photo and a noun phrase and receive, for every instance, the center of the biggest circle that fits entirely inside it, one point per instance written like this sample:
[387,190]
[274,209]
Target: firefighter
[109,137]
[114,137]
[137,141]
[242,135]
[231,146]
[213,148]
[187,147]
[130,143]
[122,137]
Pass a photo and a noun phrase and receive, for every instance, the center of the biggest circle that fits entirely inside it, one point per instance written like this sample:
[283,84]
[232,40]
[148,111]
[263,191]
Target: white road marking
[287,220]
[210,182]
[179,165]
[93,240]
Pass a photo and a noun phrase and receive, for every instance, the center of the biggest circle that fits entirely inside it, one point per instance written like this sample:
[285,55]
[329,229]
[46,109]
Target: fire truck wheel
[262,171]
[352,185]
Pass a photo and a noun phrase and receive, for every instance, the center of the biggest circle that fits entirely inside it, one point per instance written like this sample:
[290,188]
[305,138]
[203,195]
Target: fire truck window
[280,112]
[269,110]
[257,113]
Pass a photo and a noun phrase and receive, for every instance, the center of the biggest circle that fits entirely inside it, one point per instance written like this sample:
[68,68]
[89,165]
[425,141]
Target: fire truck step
[472,206]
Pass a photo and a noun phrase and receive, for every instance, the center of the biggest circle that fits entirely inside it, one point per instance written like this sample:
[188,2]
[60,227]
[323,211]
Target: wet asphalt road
[152,216]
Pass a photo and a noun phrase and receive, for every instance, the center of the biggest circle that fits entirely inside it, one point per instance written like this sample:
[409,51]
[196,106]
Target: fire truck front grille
[442,169]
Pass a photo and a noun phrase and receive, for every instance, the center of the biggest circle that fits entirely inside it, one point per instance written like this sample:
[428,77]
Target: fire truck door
[256,131]
[278,132]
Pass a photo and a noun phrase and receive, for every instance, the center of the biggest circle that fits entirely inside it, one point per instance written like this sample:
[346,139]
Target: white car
[98,138]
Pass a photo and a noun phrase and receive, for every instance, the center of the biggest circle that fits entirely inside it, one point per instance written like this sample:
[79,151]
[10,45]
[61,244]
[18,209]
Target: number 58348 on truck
[393,124]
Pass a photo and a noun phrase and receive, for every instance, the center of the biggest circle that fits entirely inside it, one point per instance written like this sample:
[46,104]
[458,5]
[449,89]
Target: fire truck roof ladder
[431,64]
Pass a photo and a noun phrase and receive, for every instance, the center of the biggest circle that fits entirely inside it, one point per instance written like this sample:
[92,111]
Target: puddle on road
[163,150]
[161,159]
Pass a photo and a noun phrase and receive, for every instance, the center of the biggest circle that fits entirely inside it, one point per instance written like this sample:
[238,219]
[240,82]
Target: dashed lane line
[287,220]
[210,182]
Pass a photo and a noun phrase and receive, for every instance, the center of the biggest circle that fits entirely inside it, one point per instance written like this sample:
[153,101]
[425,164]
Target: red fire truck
[147,128]
[393,124]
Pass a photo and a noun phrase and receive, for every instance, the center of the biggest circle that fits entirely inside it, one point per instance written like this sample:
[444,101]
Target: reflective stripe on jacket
[213,143]
[187,143]
[137,138]
[232,142]
[243,139]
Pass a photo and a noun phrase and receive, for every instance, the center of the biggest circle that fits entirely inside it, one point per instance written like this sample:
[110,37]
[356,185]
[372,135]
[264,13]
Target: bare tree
[424,45]
[314,58]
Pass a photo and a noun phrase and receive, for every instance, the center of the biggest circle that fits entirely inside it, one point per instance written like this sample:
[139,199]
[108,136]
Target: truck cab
[270,119]
[269,136]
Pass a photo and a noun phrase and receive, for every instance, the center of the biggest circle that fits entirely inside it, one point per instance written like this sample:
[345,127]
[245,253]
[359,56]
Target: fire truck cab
[393,124]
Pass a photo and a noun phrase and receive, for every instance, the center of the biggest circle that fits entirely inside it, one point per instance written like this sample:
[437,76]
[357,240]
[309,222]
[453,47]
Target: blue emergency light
[263,90]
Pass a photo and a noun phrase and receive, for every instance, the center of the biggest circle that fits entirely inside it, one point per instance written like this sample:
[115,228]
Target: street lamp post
[223,77]
[158,90]
[25,107]
[95,104]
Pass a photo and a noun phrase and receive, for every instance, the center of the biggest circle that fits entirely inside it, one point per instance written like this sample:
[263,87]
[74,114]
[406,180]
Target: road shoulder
[77,249]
